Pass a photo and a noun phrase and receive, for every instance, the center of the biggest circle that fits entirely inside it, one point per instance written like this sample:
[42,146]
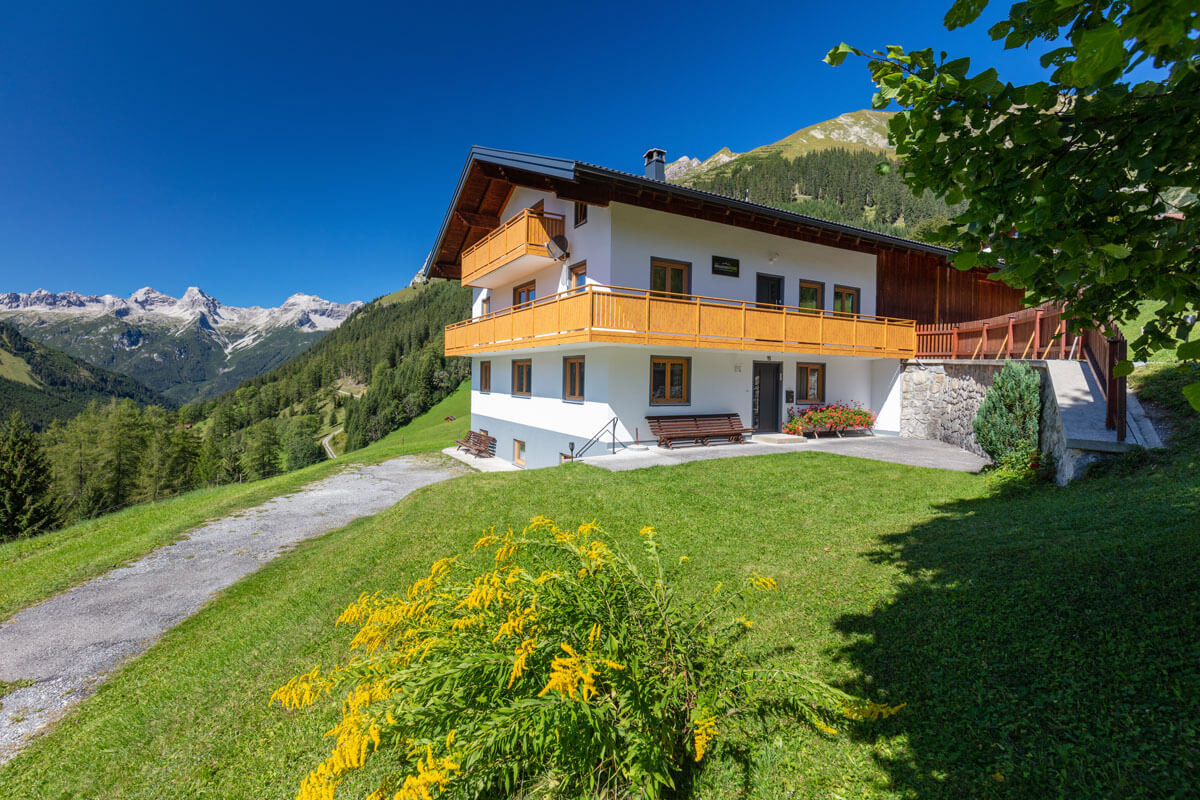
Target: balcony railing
[621,315]
[523,235]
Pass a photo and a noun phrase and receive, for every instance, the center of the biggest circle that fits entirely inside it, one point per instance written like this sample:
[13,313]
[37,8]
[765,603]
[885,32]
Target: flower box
[836,418]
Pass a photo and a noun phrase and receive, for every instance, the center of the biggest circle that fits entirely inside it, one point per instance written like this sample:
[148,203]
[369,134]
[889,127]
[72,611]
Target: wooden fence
[1036,333]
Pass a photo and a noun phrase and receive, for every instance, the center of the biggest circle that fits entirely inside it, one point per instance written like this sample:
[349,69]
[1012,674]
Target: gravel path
[68,644]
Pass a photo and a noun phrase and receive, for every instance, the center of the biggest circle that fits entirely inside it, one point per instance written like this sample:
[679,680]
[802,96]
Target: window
[485,376]
[573,378]
[669,380]
[525,293]
[810,383]
[845,300]
[580,214]
[485,306]
[669,277]
[578,277]
[518,452]
[522,377]
[812,295]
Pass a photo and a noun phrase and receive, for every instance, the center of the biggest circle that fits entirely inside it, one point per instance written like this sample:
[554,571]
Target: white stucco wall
[638,234]
[590,242]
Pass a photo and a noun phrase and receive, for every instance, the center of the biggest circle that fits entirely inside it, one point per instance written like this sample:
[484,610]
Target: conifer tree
[26,507]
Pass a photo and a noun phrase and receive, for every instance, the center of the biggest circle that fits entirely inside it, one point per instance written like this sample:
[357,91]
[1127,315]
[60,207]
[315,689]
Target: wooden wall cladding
[925,288]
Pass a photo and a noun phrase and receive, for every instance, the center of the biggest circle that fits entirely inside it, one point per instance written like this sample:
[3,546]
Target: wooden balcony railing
[525,234]
[1036,333]
[621,315]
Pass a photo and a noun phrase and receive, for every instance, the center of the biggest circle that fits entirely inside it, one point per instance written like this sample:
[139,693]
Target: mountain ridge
[188,348]
[862,130]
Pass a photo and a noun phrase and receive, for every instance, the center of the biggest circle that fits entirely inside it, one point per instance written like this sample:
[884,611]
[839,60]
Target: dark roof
[570,170]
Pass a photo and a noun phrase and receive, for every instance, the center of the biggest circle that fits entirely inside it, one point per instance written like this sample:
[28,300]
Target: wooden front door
[766,396]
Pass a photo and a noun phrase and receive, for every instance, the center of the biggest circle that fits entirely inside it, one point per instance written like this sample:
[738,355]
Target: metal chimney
[656,164]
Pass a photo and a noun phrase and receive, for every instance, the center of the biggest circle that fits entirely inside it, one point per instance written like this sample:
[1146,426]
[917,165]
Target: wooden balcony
[516,247]
[617,315]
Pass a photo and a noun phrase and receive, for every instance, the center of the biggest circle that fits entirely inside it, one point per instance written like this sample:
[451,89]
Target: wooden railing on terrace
[526,233]
[1036,333]
[621,315]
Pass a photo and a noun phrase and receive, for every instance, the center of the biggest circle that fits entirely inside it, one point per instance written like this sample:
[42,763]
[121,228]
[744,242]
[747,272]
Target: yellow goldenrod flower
[647,531]
[684,559]
[612,664]
[594,634]
[869,710]
[524,651]
[705,731]
[570,676]
[763,583]
[747,623]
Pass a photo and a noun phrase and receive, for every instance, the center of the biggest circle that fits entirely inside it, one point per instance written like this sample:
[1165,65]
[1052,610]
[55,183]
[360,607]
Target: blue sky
[257,149]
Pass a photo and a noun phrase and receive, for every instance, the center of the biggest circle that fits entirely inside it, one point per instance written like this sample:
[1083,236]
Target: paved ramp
[68,644]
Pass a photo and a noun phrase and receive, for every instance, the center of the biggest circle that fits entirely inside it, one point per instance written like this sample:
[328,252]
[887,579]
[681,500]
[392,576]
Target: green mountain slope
[45,384]
[827,170]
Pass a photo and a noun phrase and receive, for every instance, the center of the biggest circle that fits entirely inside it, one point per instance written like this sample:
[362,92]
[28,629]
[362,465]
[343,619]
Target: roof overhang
[490,175]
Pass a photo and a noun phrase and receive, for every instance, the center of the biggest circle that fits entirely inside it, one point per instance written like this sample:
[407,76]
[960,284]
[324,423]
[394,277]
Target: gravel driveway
[67,644]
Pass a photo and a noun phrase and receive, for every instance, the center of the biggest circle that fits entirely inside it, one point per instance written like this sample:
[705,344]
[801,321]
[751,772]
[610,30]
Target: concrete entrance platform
[481,464]
[914,452]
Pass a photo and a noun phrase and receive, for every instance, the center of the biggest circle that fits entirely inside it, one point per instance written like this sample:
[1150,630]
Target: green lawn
[1044,641]
[36,568]
[1133,329]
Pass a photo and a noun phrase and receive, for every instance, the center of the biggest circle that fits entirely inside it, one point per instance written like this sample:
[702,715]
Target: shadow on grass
[1047,643]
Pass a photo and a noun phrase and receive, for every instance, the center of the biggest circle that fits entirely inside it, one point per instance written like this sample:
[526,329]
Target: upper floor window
[525,293]
[845,300]
[485,306]
[580,214]
[485,376]
[670,277]
[522,377]
[812,295]
[578,275]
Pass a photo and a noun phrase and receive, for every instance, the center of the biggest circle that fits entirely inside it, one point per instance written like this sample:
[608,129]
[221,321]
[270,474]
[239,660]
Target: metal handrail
[611,424]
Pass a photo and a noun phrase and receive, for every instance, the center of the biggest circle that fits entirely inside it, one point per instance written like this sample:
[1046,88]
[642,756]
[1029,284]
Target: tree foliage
[25,503]
[1082,187]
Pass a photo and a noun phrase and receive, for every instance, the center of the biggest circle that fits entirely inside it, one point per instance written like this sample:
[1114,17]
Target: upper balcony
[513,250]
[618,315]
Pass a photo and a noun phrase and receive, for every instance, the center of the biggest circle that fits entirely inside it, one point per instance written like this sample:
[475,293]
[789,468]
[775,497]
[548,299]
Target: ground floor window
[810,383]
[485,376]
[573,378]
[522,377]
[518,452]
[670,380]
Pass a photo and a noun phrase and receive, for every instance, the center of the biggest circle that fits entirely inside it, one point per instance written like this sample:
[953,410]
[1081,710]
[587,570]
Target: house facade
[602,297]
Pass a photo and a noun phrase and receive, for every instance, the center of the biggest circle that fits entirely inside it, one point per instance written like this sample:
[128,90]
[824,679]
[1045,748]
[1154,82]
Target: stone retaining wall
[939,400]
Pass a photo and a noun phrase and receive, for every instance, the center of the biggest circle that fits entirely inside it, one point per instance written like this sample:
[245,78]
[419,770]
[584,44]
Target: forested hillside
[45,384]
[834,184]
[117,453]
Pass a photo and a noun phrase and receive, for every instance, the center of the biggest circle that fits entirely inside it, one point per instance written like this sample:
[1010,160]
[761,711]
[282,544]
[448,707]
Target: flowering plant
[833,417]
[561,667]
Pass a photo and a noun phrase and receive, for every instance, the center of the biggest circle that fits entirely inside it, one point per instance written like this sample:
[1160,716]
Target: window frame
[687,380]
[581,219]
[820,287]
[485,306]
[485,377]
[819,366]
[856,291]
[519,450]
[531,286]
[568,362]
[671,264]
[516,365]
[576,270]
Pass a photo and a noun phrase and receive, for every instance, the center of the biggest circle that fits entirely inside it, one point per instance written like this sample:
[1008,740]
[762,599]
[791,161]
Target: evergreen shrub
[549,664]
[1006,425]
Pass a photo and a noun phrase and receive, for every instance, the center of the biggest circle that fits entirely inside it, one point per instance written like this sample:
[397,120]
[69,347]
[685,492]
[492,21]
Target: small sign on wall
[723,265]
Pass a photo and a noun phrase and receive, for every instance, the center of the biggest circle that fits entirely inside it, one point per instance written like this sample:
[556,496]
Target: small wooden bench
[699,428]
[478,444]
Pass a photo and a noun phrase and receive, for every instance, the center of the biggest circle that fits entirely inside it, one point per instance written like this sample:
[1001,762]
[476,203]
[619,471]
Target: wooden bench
[478,444]
[699,428]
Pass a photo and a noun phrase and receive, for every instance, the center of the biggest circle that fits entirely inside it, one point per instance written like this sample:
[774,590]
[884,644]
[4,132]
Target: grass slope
[16,369]
[1043,641]
[36,568]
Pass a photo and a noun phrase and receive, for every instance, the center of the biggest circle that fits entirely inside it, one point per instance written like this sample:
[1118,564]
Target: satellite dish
[557,248]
